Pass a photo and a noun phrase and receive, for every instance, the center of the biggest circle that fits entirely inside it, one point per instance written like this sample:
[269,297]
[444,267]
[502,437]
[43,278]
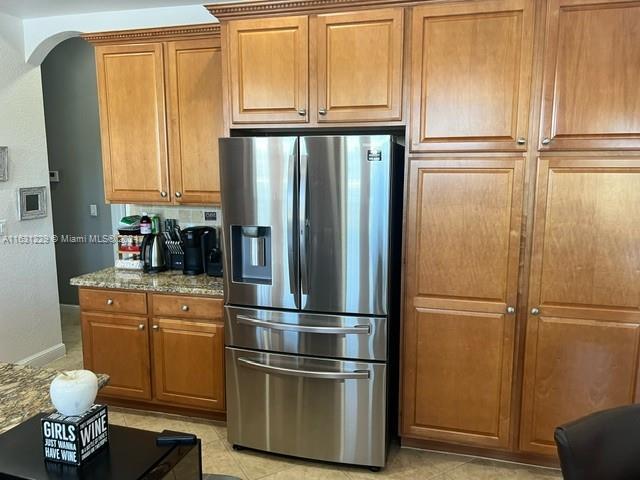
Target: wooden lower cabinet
[119,346]
[583,329]
[463,230]
[575,367]
[173,359]
[186,361]
[462,373]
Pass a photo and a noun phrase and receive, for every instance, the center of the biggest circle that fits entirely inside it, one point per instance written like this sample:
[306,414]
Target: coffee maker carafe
[192,243]
[212,253]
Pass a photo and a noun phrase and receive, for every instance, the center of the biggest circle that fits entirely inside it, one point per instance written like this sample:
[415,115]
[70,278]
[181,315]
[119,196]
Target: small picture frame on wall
[32,203]
[4,164]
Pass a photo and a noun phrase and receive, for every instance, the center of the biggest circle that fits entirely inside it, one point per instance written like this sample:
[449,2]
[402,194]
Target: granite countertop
[24,392]
[172,281]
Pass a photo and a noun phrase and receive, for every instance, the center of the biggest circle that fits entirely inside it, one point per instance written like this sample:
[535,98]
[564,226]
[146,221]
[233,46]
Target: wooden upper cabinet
[189,363]
[195,119]
[132,122]
[268,70]
[591,98]
[463,230]
[359,66]
[471,75]
[583,339]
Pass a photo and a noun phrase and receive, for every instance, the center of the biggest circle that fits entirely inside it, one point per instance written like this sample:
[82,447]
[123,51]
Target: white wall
[42,34]
[29,310]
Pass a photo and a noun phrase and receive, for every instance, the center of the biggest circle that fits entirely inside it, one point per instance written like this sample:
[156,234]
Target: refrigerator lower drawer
[320,335]
[307,407]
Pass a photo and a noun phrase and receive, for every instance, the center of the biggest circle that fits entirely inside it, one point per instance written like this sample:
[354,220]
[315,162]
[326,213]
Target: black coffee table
[132,454]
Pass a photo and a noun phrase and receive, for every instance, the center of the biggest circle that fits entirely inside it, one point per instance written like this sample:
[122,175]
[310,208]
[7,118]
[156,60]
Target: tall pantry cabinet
[464,219]
[512,327]
[583,325]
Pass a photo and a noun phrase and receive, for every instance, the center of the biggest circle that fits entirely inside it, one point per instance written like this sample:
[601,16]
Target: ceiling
[50,8]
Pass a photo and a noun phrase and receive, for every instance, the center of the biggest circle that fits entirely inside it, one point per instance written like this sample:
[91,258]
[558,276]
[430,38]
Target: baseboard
[482,452]
[45,356]
[69,308]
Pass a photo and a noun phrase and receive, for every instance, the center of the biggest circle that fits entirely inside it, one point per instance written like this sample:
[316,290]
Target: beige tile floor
[219,457]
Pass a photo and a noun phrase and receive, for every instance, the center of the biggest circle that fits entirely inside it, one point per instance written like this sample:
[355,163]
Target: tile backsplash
[186,216]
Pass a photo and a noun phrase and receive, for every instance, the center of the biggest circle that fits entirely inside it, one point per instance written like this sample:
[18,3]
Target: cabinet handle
[141,326]
[511,310]
[546,141]
[109,301]
[535,311]
[163,194]
[302,112]
[322,111]
[521,140]
[178,194]
[185,308]
[156,327]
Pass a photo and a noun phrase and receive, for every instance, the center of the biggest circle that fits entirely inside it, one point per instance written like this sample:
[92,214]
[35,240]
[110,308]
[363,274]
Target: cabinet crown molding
[153,34]
[260,8]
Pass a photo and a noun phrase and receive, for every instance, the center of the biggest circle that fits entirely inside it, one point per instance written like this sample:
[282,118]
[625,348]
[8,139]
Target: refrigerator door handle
[291,184]
[354,375]
[303,223]
[355,330]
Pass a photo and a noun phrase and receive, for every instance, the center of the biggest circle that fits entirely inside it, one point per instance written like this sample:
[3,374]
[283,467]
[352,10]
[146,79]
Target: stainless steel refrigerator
[308,236]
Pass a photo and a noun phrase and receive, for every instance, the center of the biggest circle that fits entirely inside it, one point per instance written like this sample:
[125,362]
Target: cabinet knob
[141,326]
[185,308]
[109,301]
[302,112]
[322,111]
[156,327]
[546,141]
[163,194]
[535,311]
[511,310]
[178,194]
[521,140]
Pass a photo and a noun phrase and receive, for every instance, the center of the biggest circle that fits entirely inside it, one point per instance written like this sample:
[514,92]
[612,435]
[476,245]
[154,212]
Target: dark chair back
[602,446]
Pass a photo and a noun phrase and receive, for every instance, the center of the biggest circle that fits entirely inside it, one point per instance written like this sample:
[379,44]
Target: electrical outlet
[93,210]
[210,216]
[3,228]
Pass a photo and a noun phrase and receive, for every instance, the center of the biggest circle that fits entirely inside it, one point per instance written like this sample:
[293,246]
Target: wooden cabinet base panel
[505,455]
[157,407]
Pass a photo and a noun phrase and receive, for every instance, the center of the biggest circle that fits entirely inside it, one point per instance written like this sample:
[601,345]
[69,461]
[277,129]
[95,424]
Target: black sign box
[73,440]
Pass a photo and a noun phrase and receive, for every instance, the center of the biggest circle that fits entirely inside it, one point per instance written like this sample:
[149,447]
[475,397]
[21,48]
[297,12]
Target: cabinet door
[471,75]
[118,345]
[195,119]
[591,98]
[463,230]
[188,363]
[582,341]
[132,122]
[268,70]
[359,58]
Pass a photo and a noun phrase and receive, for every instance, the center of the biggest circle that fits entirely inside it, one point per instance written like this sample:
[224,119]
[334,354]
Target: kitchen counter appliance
[152,253]
[194,243]
[310,312]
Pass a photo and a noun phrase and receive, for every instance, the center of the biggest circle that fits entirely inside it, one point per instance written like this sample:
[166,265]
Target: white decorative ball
[73,392]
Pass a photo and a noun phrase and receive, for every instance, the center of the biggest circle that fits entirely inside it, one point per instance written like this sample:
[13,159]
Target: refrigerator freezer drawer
[308,407]
[319,335]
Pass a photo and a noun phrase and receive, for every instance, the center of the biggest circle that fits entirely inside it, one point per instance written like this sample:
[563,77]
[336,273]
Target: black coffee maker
[202,252]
